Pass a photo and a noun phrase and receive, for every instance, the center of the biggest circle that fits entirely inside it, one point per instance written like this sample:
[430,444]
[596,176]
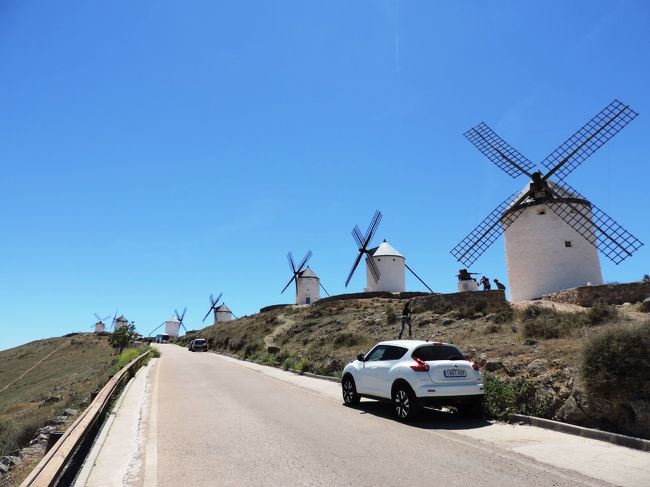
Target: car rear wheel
[350,396]
[404,403]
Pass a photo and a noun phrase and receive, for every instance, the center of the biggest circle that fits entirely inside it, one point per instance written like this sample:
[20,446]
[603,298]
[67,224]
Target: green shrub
[601,314]
[347,339]
[504,315]
[517,396]
[615,362]
[539,322]
[391,316]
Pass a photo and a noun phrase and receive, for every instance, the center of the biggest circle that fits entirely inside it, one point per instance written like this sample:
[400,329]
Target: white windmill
[552,232]
[100,325]
[308,284]
[221,313]
[173,324]
[385,266]
[119,322]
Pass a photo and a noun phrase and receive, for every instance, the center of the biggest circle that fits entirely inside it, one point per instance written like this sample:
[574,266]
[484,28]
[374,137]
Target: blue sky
[155,152]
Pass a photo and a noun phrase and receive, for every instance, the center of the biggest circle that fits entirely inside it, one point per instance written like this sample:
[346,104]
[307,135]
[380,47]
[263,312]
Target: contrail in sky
[397,36]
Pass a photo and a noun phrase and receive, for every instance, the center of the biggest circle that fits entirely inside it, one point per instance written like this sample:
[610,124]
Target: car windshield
[199,342]
[429,353]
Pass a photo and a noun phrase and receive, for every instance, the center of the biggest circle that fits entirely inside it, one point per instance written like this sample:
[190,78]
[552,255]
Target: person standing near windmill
[499,284]
[485,282]
[406,318]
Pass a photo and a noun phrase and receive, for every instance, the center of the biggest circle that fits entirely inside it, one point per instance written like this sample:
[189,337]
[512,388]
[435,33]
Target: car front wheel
[350,396]
[404,403]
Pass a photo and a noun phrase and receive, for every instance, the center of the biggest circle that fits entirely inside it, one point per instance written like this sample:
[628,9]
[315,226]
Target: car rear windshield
[429,353]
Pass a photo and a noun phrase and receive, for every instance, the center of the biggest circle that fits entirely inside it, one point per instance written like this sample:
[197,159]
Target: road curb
[615,438]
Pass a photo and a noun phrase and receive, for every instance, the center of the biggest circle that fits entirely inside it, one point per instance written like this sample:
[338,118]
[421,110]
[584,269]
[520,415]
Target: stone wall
[434,301]
[273,306]
[378,294]
[630,292]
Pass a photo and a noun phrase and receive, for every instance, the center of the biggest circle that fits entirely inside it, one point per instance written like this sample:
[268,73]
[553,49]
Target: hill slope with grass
[538,359]
[39,380]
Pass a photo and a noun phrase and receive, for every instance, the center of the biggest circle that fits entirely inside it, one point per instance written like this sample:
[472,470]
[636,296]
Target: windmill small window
[567,243]
[541,211]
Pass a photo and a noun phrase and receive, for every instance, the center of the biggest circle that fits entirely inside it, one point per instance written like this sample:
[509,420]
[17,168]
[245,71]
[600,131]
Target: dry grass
[78,365]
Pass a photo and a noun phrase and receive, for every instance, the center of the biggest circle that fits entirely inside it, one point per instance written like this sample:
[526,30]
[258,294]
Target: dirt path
[31,368]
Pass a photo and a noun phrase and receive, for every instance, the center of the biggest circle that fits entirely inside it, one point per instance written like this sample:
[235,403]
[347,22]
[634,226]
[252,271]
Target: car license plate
[455,373]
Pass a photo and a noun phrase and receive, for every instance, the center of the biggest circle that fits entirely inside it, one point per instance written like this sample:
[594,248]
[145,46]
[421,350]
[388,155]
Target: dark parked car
[198,345]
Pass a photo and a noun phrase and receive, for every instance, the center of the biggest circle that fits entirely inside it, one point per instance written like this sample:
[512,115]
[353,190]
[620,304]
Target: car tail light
[474,365]
[420,365]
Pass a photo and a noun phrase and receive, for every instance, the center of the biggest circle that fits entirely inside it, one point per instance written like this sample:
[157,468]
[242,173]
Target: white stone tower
[307,287]
[390,264]
[173,326]
[120,322]
[100,327]
[222,313]
[544,254]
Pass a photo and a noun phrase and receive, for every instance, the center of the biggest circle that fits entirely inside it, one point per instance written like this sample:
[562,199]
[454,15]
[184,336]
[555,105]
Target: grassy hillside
[40,379]
[532,355]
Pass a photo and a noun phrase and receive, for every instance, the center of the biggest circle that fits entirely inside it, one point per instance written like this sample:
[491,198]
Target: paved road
[208,420]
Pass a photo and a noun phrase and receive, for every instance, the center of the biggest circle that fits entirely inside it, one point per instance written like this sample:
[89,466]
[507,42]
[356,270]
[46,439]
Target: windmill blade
[97,316]
[183,315]
[304,261]
[105,318]
[417,277]
[236,317]
[113,321]
[207,314]
[357,236]
[354,267]
[372,228]
[291,262]
[211,300]
[597,227]
[183,327]
[503,155]
[374,270]
[479,240]
[591,137]
[293,278]
[216,301]
[157,327]
[323,287]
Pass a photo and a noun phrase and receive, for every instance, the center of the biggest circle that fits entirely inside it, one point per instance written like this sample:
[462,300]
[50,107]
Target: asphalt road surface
[202,419]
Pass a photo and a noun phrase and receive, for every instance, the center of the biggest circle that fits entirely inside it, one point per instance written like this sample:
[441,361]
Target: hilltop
[531,353]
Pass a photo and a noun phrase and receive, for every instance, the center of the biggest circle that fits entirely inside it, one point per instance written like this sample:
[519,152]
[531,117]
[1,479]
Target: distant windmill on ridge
[384,264]
[100,326]
[308,284]
[548,251]
[173,324]
[221,313]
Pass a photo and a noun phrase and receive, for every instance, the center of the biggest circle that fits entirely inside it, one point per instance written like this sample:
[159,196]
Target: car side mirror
[361,358]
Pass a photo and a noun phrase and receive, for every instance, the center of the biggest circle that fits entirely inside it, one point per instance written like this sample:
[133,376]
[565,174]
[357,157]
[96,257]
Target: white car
[413,374]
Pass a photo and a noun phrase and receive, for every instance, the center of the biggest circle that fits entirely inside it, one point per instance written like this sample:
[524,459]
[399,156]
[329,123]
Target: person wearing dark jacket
[406,318]
[499,285]
[485,282]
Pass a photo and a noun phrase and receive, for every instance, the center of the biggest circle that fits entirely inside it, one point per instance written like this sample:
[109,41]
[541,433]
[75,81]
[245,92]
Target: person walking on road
[499,285]
[485,282]
[406,318]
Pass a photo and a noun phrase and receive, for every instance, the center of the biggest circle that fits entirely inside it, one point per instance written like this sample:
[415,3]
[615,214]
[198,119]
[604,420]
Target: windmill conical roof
[559,188]
[308,272]
[173,318]
[385,249]
[223,309]
[121,318]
